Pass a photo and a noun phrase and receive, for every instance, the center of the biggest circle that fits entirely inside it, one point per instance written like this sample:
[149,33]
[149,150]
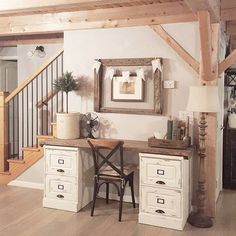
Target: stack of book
[177,129]
[177,135]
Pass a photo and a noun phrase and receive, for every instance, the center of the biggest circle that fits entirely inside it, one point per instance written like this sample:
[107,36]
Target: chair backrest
[100,159]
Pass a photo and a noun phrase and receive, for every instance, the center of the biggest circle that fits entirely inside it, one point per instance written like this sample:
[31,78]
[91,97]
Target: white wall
[26,64]
[8,53]
[135,42]
[83,46]
[32,178]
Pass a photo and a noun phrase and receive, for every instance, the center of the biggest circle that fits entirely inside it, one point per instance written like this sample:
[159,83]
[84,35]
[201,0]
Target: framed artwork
[127,91]
[119,87]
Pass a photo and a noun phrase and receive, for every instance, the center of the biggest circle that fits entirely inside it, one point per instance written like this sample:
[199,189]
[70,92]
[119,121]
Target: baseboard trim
[25,184]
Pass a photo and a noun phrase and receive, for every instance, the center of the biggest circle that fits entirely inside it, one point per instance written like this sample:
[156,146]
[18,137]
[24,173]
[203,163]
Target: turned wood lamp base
[200,220]
[203,99]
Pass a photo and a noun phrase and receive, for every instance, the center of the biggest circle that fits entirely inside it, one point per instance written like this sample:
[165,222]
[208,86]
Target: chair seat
[107,170]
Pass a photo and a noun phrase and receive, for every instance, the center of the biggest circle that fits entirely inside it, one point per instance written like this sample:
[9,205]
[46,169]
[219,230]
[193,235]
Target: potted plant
[68,123]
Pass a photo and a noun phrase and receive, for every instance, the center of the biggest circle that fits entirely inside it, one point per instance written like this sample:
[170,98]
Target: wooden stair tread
[16,161]
[16,170]
[5,173]
[33,149]
[44,136]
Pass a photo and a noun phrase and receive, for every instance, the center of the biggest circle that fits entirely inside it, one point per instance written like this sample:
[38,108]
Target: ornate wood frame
[98,87]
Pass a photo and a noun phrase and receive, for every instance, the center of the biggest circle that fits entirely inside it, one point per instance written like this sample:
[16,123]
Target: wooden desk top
[129,145]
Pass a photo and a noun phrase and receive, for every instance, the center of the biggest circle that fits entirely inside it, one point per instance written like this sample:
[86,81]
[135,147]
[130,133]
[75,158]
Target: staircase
[28,116]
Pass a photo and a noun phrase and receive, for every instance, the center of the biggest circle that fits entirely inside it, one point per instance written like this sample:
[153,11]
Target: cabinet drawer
[61,162]
[161,201]
[62,188]
[161,172]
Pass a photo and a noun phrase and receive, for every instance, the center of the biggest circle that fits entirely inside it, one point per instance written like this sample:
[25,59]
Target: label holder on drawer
[60,161]
[160,201]
[60,187]
[160,172]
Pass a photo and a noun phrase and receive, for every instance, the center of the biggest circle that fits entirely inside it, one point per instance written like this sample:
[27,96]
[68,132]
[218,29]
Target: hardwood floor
[22,214]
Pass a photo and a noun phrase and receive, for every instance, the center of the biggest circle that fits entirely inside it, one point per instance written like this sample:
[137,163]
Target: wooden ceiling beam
[231,27]
[19,5]
[7,41]
[206,45]
[101,18]
[228,9]
[22,7]
[212,6]
[228,14]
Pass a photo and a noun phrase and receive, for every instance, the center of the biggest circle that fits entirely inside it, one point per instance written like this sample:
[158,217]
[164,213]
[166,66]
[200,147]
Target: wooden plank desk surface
[129,145]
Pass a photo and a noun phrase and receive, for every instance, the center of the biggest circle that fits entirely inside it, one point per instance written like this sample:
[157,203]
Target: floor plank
[22,214]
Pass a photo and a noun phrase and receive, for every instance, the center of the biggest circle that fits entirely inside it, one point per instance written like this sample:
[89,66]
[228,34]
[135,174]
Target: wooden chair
[108,172]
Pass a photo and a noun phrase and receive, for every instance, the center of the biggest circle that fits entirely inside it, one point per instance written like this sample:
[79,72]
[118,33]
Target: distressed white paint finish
[164,202]
[68,178]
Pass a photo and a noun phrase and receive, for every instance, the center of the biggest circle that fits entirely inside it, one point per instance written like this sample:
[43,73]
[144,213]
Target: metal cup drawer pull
[160,200]
[60,171]
[160,182]
[160,172]
[160,211]
[60,196]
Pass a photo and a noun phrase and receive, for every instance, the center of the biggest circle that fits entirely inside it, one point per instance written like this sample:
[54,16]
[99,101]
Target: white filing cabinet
[164,190]
[66,186]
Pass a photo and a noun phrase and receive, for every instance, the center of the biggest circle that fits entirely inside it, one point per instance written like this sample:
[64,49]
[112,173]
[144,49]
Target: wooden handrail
[46,98]
[33,76]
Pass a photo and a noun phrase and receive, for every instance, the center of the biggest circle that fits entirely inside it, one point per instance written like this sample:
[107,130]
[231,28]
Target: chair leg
[121,202]
[131,183]
[107,193]
[94,195]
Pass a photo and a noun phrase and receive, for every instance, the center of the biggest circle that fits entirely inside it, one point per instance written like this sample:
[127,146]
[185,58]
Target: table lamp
[202,99]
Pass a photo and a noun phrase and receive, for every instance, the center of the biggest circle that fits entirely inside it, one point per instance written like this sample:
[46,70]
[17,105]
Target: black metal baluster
[52,89]
[57,78]
[13,126]
[46,101]
[9,131]
[23,121]
[18,126]
[62,94]
[42,103]
[37,99]
[32,114]
[5,85]
[27,116]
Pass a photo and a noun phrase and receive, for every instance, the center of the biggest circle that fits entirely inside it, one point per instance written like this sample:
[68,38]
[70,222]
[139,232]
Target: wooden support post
[211,151]
[209,38]
[205,40]
[4,141]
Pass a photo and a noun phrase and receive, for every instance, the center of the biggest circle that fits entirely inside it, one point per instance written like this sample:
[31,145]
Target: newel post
[4,141]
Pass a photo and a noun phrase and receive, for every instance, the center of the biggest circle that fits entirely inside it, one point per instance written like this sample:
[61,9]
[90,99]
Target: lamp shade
[203,99]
